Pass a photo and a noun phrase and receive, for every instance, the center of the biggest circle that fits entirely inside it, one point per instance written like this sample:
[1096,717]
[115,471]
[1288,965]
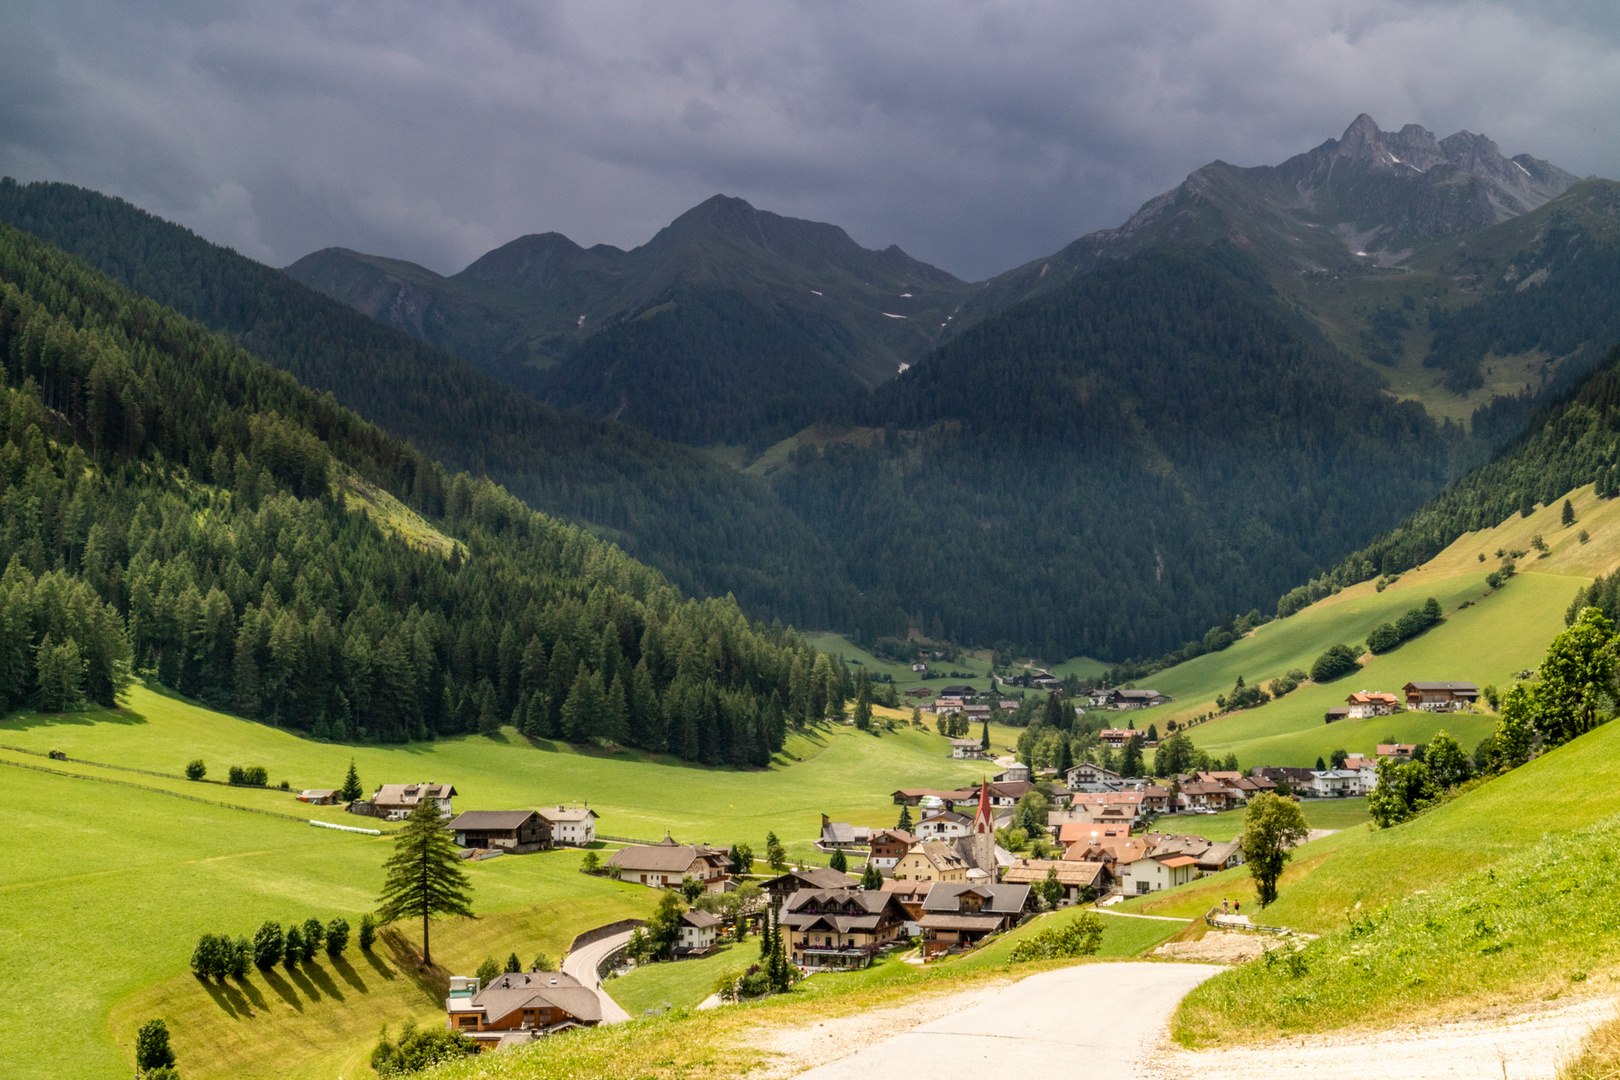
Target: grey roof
[842,832]
[701,919]
[411,794]
[667,857]
[1137,694]
[536,989]
[568,813]
[1464,687]
[841,910]
[814,877]
[490,819]
[999,899]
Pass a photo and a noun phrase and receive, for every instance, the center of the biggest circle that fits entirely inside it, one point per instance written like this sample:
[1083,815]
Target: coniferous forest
[171,506]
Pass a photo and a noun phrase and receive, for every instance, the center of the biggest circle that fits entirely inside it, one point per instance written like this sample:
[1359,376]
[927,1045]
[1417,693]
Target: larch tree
[423,879]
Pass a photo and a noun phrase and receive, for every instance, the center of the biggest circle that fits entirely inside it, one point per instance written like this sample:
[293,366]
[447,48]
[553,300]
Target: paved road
[581,964]
[1097,1020]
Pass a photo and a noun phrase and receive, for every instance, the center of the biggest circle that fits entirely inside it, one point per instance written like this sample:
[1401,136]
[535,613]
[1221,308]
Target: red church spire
[985,820]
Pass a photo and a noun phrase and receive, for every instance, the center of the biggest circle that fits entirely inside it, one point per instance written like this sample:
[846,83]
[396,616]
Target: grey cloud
[975,135]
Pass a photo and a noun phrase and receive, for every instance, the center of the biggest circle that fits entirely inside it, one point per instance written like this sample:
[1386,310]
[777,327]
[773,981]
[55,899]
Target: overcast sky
[975,136]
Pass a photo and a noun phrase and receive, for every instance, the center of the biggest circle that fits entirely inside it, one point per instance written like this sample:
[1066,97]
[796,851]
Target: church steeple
[985,820]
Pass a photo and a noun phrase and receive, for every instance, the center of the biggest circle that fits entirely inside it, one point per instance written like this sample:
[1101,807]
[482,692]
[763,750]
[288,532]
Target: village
[959,868]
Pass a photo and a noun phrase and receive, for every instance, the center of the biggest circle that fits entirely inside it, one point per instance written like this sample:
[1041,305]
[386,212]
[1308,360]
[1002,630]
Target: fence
[1220,921]
[605,931]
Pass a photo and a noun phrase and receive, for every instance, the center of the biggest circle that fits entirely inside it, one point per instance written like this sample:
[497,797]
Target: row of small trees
[218,955]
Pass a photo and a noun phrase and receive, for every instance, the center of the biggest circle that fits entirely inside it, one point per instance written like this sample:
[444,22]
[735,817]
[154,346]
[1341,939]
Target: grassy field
[684,983]
[1485,638]
[144,873]
[1319,814]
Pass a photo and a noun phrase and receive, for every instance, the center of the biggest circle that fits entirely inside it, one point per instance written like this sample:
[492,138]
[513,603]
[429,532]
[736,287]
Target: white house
[575,825]
[966,748]
[1157,873]
[944,825]
[395,802]
[1335,782]
[699,930]
[1365,703]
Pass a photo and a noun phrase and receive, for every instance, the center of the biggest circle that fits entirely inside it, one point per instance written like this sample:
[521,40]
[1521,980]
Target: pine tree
[863,701]
[905,822]
[582,712]
[423,878]
[871,877]
[1568,515]
[351,785]
[838,861]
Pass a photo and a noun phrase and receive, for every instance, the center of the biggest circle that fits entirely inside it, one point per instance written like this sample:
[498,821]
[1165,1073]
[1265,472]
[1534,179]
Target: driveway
[1104,1020]
[582,963]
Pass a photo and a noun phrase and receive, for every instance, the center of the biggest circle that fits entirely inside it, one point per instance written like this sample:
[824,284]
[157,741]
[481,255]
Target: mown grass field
[125,879]
[684,983]
[1319,814]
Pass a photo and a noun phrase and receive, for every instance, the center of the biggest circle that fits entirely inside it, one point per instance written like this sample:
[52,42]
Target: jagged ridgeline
[1573,442]
[170,503]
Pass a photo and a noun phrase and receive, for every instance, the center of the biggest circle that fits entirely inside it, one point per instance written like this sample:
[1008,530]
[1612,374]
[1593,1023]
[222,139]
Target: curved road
[582,963]
[1096,1020]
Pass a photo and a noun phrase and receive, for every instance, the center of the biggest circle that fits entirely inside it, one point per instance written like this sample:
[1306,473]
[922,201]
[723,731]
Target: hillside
[175,506]
[711,531]
[731,325]
[1110,468]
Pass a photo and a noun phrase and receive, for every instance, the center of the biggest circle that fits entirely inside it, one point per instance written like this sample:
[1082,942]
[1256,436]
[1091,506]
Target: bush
[152,1047]
[314,934]
[591,863]
[241,958]
[368,931]
[542,962]
[417,1050]
[211,959]
[1337,662]
[293,948]
[268,944]
[196,770]
[488,971]
[1081,936]
[249,776]
[337,937]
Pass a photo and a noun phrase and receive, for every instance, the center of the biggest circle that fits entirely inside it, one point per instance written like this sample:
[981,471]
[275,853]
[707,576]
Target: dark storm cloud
[976,136]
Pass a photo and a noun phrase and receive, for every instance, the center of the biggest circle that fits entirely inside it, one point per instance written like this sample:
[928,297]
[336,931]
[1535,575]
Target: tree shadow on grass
[245,986]
[283,991]
[29,721]
[320,978]
[432,982]
[230,1000]
[341,965]
[300,978]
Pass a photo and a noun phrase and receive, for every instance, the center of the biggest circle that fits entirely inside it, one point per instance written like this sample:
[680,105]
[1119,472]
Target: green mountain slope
[681,336]
[1118,464]
[173,505]
[711,531]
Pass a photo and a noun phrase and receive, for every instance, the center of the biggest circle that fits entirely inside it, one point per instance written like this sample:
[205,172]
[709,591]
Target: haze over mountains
[1107,451]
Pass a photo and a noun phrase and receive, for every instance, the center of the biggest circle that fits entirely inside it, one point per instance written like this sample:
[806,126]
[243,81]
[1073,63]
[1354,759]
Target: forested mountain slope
[1110,468]
[171,502]
[731,325]
[709,529]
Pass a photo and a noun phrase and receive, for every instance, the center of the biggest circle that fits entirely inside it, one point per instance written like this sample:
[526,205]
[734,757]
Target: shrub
[196,770]
[591,863]
[417,1050]
[293,948]
[241,958]
[542,962]
[1081,936]
[152,1047]
[337,937]
[212,957]
[250,775]
[1338,661]
[268,944]
[488,971]
[368,931]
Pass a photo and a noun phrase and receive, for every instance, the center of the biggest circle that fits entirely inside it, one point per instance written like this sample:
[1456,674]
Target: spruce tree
[905,822]
[871,877]
[423,878]
[838,861]
[1568,515]
[352,791]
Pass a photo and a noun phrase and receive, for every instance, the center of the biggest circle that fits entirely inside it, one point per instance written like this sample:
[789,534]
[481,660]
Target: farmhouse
[966,748]
[395,802]
[1117,737]
[911,895]
[808,877]
[518,1006]
[1085,775]
[1440,696]
[1398,751]
[1016,773]
[918,691]
[887,846]
[1336,713]
[841,836]
[1075,877]
[1364,703]
[514,831]
[669,863]
[699,930]
[944,825]
[956,917]
[915,796]
[319,797]
[574,826]
[977,713]
[841,928]
[1100,696]
[958,692]
[1138,699]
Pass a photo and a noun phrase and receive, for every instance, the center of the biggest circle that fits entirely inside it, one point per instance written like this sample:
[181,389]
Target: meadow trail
[1522,1043]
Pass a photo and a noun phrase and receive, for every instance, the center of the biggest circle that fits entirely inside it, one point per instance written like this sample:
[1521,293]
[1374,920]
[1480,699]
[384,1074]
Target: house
[810,877]
[1090,832]
[1087,773]
[514,831]
[1004,795]
[957,917]
[1100,696]
[958,692]
[1046,682]
[1117,737]
[1138,699]
[1075,877]
[1335,714]
[841,928]
[919,691]
[1335,783]
[1154,873]
[944,825]
[519,1006]
[698,932]
[911,893]
[1398,751]
[574,826]
[1155,799]
[1364,703]
[1245,788]
[1017,773]
[394,802]
[1170,860]
[887,846]
[1297,779]
[1206,795]
[667,863]
[919,666]
[841,836]
[947,706]
[916,796]
[1440,696]
[1007,706]
[319,797]
[967,748]
[977,713]
[930,860]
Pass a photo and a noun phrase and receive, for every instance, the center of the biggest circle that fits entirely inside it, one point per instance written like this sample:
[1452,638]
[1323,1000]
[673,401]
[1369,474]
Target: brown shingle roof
[537,989]
[664,858]
[490,819]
